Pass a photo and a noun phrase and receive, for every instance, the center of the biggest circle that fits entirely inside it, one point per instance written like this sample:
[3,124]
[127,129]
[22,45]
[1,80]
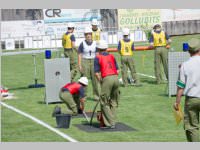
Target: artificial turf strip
[89,114]
[119,127]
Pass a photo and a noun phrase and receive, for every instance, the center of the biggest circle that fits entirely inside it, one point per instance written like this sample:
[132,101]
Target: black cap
[157,26]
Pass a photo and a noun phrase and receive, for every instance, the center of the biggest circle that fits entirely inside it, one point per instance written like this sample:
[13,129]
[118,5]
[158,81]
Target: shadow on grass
[19,88]
[23,88]
[149,81]
[44,102]
[90,99]
[166,95]
[41,102]
[163,95]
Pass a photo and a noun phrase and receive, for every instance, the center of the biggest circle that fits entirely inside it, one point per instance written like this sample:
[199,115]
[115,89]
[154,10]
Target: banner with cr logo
[70,15]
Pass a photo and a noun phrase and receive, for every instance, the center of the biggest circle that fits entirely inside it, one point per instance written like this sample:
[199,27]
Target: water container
[185,47]
[63,120]
[48,54]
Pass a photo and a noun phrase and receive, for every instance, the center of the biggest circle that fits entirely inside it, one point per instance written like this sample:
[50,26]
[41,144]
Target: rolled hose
[137,48]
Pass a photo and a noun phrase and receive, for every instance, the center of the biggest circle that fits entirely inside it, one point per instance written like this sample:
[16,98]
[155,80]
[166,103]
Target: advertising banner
[70,15]
[59,29]
[138,18]
[22,28]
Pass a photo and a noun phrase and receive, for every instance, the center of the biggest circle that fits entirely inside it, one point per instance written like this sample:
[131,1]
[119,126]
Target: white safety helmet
[70,25]
[94,22]
[102,44]
[88,30]
[83,80]
[126,31]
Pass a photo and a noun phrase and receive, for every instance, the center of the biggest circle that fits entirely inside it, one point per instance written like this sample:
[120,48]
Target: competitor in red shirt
[106,71]
[73,95]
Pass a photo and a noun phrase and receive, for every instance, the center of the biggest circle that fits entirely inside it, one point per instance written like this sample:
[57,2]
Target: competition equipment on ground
[36,85]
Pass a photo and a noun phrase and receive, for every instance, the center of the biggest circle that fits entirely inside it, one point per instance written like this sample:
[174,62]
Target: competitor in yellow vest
[125,48]
[160,41]
[68,43]
[96,32]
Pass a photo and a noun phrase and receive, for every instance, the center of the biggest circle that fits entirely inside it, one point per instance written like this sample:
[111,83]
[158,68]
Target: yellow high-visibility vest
[159,39]
[126,48]
[96,35]
[67,43]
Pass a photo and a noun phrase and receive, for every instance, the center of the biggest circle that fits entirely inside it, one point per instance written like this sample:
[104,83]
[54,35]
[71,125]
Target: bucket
[185,47]
[48,54]
[63,120]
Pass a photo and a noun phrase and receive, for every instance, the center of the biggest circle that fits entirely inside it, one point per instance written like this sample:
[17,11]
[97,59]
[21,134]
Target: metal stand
[36,85]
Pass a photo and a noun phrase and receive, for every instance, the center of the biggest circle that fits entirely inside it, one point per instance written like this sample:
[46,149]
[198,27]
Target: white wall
[179,14]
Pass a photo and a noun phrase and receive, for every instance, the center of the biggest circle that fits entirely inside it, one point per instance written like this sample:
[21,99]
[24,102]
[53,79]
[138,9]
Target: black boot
[57,110]
[80,111]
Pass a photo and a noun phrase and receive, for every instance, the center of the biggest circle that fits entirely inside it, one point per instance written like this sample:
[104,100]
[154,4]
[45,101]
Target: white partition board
[174,60]
[57,74]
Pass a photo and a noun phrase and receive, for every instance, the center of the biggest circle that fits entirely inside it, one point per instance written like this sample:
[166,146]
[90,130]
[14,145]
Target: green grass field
[147,109]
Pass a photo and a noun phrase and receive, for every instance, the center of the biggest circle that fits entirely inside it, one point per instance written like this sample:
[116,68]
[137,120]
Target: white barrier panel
[174,60]
[28,42]
[55,41]
[57,74]
[10,44]
[115,39]
[104,36]
[139,35]
[59,43]
[119,35]
[37,44]
[109,39]
[46,41]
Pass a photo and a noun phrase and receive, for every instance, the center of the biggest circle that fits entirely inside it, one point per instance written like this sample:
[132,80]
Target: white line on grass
[145,75]
[39,122]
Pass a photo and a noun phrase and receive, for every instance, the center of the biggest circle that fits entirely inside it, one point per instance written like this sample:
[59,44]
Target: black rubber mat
[95,128]
[89,114]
